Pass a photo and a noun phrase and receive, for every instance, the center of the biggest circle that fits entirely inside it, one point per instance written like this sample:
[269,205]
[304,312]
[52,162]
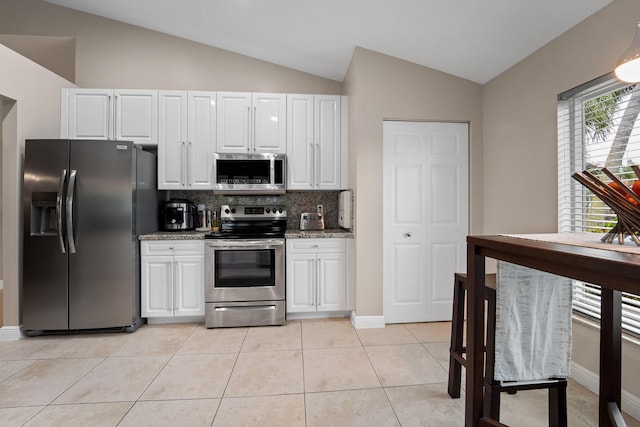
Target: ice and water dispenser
[43,214]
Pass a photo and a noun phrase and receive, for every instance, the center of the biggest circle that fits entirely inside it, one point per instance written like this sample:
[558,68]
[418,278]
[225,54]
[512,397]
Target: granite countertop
[173,235]
[312,234]
[290,234]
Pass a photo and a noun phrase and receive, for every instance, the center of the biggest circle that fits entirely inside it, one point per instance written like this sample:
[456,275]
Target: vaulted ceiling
[473,39]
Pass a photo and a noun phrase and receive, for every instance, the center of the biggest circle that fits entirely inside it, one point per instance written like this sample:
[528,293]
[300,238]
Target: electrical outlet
[319,209]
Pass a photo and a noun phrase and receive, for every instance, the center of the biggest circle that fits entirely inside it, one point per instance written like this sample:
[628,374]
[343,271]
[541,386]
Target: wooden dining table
[581,256]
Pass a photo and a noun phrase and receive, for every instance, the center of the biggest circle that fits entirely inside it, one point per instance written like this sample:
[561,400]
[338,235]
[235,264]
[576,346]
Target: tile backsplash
[296,203]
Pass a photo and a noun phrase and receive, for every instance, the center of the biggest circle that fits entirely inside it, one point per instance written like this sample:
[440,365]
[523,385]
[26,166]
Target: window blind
[598,127]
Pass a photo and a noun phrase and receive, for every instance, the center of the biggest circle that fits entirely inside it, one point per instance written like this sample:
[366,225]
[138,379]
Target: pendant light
[628,68]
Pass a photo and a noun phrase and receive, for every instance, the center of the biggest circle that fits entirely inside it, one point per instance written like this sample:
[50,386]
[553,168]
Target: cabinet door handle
[189,154]
[318,156]
[110,112]
[314,161]
[171,286]
[409,234]
[183,153]
[174,287]
[249,124]
[318,281]
[253,127]
[111,117]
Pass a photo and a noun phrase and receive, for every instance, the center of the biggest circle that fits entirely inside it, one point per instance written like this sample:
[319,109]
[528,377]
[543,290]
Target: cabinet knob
[408,234]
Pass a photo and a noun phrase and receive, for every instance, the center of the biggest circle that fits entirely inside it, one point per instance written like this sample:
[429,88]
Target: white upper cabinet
[327,141]
[136,116]
[122,114]
[316,152]
[172,140]
[201,145]
[189,127]
[269,122]
[87,114]
[300,145]
[187,135]
[251,122]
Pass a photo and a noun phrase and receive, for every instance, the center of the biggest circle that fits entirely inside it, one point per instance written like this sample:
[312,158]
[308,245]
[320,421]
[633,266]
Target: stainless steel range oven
[245,268]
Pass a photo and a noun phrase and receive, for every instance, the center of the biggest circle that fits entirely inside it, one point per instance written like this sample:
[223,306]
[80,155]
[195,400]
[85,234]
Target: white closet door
[425,217]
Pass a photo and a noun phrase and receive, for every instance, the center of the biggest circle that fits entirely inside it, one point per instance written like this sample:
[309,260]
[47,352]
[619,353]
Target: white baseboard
[590,380]
[366,322]
[10,333]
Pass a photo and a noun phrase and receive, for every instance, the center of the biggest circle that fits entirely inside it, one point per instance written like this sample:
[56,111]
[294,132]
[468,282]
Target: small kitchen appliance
[249,173]
[245,267]
[311,221]
[344,209]
[180,215]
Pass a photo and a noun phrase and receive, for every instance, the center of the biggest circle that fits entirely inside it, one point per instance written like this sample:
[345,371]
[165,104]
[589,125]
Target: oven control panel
[236,212]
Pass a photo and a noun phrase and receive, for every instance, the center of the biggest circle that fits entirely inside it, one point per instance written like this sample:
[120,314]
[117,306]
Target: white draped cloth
[533,324]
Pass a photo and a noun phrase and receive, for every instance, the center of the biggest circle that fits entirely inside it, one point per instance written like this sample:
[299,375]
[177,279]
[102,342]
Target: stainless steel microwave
[263,173]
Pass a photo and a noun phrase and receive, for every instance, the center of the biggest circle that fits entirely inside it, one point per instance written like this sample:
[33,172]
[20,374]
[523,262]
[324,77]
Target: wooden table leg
[475,337]
[610,353]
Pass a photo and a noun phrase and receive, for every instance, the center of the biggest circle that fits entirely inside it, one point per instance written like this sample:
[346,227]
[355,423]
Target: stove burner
[251,222]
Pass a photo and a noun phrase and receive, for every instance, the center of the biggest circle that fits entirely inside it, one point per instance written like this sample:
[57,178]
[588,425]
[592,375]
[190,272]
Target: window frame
[573,197]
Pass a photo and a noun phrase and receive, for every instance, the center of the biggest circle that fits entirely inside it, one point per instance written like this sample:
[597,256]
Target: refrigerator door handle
[70,190]
[59,202]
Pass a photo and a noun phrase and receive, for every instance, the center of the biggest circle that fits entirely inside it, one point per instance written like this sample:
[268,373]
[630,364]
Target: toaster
[311,221]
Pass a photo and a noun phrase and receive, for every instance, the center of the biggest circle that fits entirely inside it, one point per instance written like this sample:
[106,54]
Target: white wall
[33,95]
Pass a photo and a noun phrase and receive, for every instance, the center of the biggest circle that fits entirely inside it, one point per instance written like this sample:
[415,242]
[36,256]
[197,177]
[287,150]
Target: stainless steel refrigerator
[85,202]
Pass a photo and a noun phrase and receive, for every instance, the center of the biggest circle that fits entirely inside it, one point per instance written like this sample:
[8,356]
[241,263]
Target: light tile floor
[307,373]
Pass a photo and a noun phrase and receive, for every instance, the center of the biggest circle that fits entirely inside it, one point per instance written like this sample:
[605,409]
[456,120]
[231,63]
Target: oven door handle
[251,244]
[248,307]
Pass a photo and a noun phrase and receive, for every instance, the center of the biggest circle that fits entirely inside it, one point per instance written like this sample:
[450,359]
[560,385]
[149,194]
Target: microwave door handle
[272,171]
[59,208]
[70,190]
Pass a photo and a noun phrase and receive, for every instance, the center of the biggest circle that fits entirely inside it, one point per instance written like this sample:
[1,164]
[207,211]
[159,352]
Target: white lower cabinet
[317,275]
[172,278]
